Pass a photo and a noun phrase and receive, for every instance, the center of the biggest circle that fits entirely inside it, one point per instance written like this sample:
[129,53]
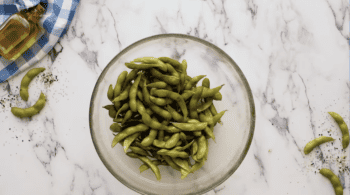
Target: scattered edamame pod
[23,91]
[338,189]
[343,127]
[316,142]
[31,111]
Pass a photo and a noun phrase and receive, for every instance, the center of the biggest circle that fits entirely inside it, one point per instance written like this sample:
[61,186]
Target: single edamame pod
[343,127]
[120,83]
[316,142]
[123,96]
[23,91]
[160,101]
[172,70]
[128,141]
[110,92]
[194,148]
[191,126]
[115,127]
[205,105]
[142,66]
[147,141]
[144,167]
[31,111]
[176,64]
[182,163]
[128,131]
[202,147]
[187,94]
[176,116]
[183,74]
[153,167]
[172,141]
[159,85]
[139,95]
[133,93]
[173,153]
[129,77]
[218,96]
[123,108]
[161,112]
[194,101]
[127,116]
[171,80]
[338,189]
[210,92]
[206,83]
[193,81]
[170,161]
[138,150]
[111,110]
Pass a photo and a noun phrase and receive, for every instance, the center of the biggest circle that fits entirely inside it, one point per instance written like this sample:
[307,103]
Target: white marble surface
[294,55]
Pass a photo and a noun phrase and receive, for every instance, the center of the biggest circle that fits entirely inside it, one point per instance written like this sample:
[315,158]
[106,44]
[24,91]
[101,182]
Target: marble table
[294,55]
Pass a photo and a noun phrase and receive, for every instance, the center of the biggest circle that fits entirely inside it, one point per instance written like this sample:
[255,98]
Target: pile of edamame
[338,189]
[162,116]
[39,105]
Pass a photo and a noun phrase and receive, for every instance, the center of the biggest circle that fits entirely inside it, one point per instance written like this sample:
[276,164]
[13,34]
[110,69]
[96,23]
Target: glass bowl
[233,138]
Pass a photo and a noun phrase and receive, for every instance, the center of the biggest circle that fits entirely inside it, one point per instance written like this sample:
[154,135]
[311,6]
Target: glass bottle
[20,31]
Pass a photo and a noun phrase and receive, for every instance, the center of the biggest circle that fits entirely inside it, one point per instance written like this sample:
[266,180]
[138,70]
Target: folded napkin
[56,20]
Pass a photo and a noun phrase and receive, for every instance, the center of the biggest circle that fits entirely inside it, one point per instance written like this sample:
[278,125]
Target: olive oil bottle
[20,31]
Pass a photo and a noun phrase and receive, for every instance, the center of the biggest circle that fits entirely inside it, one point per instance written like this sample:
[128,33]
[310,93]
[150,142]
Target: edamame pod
[173,153]
[172,141]
[31,111]
[176,64]
[147,141]
[202,147]
[193,82]
[128,141]
[138,150]
[171,80]
[338,189]
[115,127]
[194,101]
[133,65]
[133,93]
[343,127]
[159,85]
[123,96]
[316,142]
[210,92]
[23,91]
[110,92]
[191,126]
[170,161]
[206,83]
[128,131]
[153,167]
[120,82]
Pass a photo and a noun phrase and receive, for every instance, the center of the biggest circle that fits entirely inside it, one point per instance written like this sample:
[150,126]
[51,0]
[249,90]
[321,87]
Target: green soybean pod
[166,138]
[217,96]
[129,140]
[316,142]
[172,70]
[172,141]
[129,77]
[138,150]
[191,126]
[111,110]
[142,66]
[147,141]
[120,82]
[123,108]
[194,147]
[176,64]
[169,160]
[217,117]
[159,101]
[110,92]
[146,95]
[148,60]
[197,166]
[194,101]
[153,167]
[173,153]
[133,94]
[206,83]
[193,81]
[187,94]
[210,92]
[31,111]
[182,163]
[338,189]
[139,95]
[183,74]
[197,133]
[172,129]
[161,112]
[159,143]
[209,132]
[144,167]
[127,116]
[123,96]
[132,155]
[128,131]
[202,147]
[175,115]
[171,80]
[115,127]
[343,127]
[184,173]
[159,85]
[23,91]
[205,105]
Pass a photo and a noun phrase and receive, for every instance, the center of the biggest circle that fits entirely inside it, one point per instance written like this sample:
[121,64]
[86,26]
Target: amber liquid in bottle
[19,32]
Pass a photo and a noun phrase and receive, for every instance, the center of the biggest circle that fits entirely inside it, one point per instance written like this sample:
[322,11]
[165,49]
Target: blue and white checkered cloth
[56,20]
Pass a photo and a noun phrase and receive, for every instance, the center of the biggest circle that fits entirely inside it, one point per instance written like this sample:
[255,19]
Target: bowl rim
[217,49]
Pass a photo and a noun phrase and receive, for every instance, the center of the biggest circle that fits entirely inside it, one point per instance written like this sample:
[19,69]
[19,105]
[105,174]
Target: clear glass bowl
[233,138]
